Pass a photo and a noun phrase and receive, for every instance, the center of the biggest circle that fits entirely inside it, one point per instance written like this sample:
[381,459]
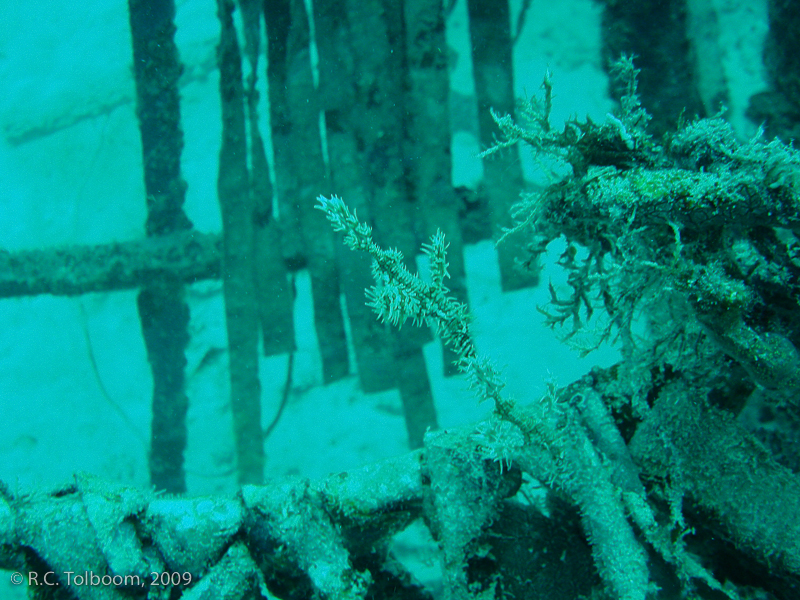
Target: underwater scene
[400,300]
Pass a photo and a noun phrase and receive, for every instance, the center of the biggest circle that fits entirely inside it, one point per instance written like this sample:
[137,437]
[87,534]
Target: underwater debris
[688,246]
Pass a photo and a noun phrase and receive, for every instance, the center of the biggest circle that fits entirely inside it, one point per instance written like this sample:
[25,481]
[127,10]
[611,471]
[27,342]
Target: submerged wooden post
[490,33]
[163,313]
[238,258]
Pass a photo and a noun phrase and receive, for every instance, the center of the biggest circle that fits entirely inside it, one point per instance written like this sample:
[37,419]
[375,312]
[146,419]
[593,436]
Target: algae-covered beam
[185,256]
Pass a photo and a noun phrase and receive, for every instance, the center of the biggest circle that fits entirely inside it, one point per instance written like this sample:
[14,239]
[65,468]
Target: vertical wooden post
[779,107]
[492,63]
[303,167]
[163,313]
[274,291]
[238,257]
[428,138]
[656,33]
[379,122]
[350,179]
[311,173]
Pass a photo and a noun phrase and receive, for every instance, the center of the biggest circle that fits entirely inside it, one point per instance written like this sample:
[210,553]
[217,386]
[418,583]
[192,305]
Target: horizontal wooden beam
[187,256]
